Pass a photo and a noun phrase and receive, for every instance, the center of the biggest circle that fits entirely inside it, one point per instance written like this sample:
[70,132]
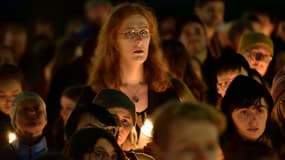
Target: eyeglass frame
[99,153]
[132,34]
[258,56]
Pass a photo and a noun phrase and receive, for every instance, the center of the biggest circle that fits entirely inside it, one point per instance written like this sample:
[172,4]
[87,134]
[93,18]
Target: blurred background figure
[167,27]
[236,30]
[11,84]
[261,20]
[180,67]
[278,112]
[16,37]
[96,12]
[211,12]
[7,55]
[29,118]
[192,131]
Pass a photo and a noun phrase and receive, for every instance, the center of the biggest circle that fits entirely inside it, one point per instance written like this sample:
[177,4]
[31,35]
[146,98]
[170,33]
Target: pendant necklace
[135,98]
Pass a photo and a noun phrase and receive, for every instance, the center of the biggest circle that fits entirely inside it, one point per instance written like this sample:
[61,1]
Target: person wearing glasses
[128,58]
[229,66]
[94,144]
[257,49]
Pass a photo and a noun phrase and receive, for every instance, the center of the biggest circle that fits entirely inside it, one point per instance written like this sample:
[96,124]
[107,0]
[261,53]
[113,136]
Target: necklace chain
[134,96]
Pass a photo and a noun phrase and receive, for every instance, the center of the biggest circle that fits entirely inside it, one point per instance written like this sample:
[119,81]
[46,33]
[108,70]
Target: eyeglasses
[258,56]
[224,85]
[100,153]
[132,34]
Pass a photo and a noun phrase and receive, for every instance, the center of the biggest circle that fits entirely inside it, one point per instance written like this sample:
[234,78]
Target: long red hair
[105,69]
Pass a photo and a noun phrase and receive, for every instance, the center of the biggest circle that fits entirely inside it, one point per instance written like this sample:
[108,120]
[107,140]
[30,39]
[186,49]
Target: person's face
[102,150]
[97,14]
[281,30]
[6,56]
[225,79]
[259,58]
[126,123]
[279,61]
[212,13]
[133,39]
[167,28]
[197,140]
[250,122]
[18,42]
[194,38]
[30,118]
[67,106]
[8,92]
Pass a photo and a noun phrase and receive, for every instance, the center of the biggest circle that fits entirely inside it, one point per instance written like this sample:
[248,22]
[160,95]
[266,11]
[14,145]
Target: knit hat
[111,98]
[22,97]
[251,39]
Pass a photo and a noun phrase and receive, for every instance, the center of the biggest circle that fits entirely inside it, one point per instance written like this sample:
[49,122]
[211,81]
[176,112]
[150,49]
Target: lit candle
[146,133]
[11,137]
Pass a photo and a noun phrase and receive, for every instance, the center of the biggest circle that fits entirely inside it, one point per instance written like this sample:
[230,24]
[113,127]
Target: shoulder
[143,156]
[138,156]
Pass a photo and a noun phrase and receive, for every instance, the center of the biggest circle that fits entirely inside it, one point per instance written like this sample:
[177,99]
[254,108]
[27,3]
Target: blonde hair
[104,70]
[192,112]
[131,141]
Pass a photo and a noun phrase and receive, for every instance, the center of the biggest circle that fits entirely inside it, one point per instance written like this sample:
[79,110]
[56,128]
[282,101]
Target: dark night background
[60,11]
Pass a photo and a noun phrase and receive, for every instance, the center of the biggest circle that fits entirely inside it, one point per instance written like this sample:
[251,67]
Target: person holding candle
[118,104]
[11,84]
[29,118]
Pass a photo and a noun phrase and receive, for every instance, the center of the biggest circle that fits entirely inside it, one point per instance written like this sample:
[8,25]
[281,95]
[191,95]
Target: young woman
[94,144]
[247,106]
[128,58]
[118,104]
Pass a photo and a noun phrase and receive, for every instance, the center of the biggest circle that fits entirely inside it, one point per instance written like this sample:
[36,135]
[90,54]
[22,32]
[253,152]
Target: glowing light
[12,137]
[147,128]
[146,134]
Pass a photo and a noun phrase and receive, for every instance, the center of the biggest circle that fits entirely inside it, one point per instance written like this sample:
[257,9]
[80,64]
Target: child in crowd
[11,84]
[247,106]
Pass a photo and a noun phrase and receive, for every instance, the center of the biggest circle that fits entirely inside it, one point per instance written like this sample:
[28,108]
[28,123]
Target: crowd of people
[129,85]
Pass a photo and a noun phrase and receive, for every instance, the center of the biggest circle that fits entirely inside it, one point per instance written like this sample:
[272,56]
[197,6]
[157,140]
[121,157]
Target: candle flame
[12,137]
[147,128]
